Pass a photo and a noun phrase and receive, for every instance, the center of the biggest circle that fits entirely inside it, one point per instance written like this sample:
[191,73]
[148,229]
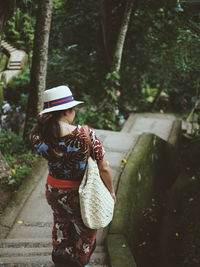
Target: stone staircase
[7,46]
[37,252]
[22,244]
[16,62]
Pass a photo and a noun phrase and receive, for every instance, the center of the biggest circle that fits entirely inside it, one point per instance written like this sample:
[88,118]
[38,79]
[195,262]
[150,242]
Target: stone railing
[143,185]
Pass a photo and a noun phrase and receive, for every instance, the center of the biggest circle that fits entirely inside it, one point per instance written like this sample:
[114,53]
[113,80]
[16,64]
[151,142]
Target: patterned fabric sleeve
[98,149]
[35,142]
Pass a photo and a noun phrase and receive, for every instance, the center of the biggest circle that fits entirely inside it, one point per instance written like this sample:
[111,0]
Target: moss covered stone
[3,61]
[180,237]
[140,197]
[119,251]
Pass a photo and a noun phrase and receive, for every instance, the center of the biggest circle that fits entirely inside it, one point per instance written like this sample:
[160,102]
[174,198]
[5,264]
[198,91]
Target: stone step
[24,260]
[14,68]
[19,252]
[44,264]
[28,251]
[27,242]
[14,65]
[6,44]
[33,243]
[44,261]
[9,47]
[40,251]
[12,50]
[15,62]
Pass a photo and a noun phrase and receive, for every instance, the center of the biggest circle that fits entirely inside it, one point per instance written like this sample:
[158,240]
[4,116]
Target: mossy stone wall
[1,93]
[3,64]
[3,61]
[140,197]
[180,237]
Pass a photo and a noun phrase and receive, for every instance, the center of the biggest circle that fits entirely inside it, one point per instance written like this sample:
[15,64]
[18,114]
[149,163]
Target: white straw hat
[58,98]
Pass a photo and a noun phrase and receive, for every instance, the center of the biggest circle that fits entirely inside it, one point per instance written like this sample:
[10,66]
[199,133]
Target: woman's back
[67,155]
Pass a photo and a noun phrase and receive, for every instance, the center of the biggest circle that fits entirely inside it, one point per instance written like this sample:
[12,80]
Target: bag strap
[86,130]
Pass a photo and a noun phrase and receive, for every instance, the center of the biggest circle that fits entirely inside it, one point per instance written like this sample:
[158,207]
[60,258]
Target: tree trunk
[6,8]
[112,83]
[2,22]
[105,10]
[39,61]
[117,55]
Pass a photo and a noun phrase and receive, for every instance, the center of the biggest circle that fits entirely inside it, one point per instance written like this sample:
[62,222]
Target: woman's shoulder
[86,128]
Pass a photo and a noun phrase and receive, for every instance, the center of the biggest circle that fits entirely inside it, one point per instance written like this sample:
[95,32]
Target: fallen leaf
[177,234]
[142,244]
[124,160]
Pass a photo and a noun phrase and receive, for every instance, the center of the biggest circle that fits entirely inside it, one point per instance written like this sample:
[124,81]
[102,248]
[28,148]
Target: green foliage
[165,52]
[149,95]
[160,50]
[112,84]
[57,4]
[16,178]
[73,53]
[17,155]
[104,115]
[20,28]
[90,114]
[11,143]
[110,104]
[16,93]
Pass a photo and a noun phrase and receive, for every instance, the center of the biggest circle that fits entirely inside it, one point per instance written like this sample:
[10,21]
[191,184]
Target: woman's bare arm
[106,176]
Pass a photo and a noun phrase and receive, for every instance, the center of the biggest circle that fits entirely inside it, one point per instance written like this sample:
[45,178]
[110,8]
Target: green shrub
[18,156]
[17,176]
[16,92]
[11,143]
[94,116]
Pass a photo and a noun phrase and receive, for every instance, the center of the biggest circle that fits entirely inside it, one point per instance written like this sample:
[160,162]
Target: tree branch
[117,55]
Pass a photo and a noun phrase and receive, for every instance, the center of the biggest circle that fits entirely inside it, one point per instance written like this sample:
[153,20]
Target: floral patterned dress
[73,242]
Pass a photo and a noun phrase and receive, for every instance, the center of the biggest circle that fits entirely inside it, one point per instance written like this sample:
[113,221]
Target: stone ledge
[119,251]
[174,135]
[9,215]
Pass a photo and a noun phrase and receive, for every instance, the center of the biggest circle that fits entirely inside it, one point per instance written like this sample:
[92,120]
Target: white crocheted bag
[97,205]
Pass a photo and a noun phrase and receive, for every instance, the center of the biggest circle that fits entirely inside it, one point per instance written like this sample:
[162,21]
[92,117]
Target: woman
[66,148]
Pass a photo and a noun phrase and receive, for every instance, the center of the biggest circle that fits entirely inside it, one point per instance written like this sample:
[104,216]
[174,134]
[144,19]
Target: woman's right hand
[113,196]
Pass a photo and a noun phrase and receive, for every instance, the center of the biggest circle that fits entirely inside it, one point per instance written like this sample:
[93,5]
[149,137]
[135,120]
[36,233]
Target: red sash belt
[61,183]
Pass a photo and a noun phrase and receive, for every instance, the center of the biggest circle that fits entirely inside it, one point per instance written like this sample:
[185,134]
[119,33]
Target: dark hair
[48,127]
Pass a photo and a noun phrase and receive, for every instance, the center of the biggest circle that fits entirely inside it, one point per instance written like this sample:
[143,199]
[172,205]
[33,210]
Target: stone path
[16,62]
[28,242]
